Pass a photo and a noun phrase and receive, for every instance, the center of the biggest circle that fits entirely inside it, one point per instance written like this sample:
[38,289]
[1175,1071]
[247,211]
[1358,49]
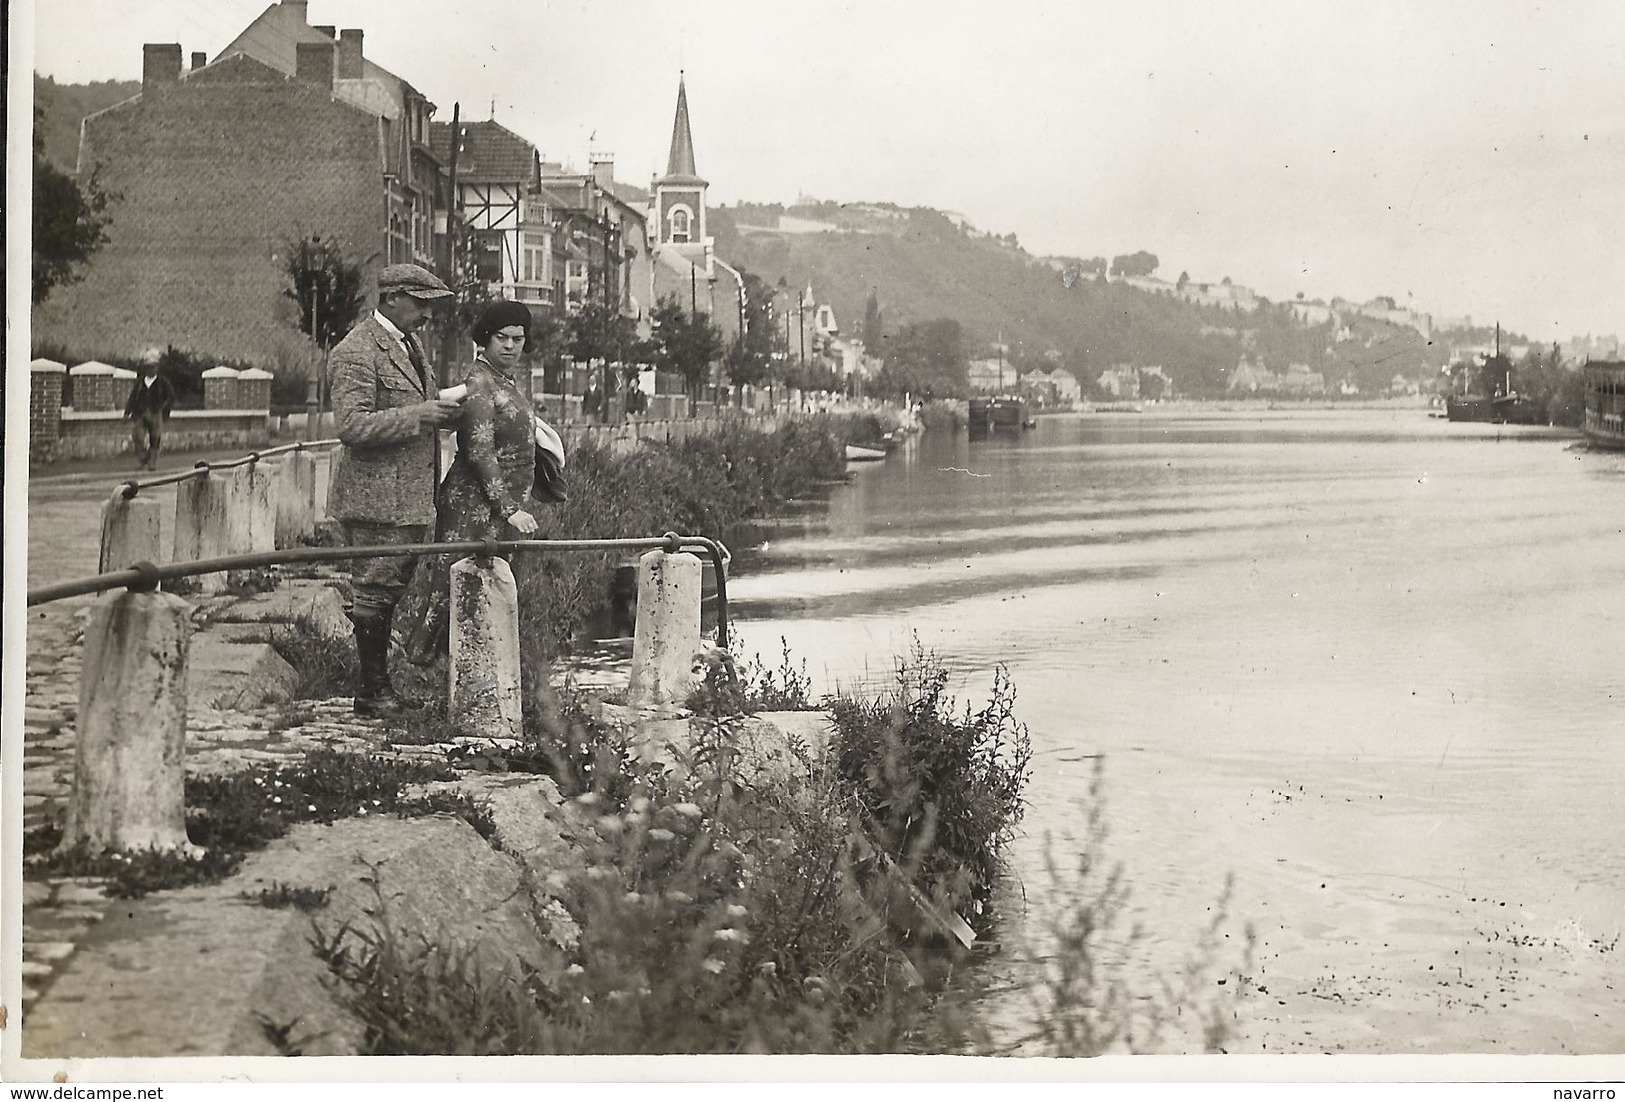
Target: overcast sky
[1469,154]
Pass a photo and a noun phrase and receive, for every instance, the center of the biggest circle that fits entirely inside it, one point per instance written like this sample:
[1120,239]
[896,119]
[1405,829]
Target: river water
[1365,663]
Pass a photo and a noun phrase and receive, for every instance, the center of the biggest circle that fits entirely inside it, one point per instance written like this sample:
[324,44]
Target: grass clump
[730,687]
[324,666]
[280,896]
[935,787]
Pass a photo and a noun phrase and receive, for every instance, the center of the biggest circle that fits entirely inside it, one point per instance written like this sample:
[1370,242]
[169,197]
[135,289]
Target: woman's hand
[524,522]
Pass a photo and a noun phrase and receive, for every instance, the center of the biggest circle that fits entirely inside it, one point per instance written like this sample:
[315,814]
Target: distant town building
[1120,381]
[1313,313]
[291,132]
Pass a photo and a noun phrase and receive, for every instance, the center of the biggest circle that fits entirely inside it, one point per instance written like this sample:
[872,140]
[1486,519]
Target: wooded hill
[60,108]
[922,264]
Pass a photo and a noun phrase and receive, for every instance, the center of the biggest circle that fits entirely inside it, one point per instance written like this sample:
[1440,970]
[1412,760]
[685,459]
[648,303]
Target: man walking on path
[387,469]
[149,403]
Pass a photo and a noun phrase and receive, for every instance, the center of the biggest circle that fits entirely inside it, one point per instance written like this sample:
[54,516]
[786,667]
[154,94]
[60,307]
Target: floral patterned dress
[490,479]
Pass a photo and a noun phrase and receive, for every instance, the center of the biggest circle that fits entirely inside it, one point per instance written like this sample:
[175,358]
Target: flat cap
[412,280]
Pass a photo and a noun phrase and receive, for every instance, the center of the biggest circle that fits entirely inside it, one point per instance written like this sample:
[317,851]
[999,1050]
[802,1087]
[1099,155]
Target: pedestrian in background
[387,469]
[151,399]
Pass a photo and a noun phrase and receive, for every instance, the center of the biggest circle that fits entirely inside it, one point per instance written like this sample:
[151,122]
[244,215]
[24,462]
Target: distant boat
[856,454]
[1493,398]
[1605,403]
[998,413]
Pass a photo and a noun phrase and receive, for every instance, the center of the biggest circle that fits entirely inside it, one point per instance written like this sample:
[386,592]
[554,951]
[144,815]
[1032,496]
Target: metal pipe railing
[132,487]
[145,576]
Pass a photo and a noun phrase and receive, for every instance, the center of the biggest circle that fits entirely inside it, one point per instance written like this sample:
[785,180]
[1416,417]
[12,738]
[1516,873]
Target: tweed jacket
[387,468]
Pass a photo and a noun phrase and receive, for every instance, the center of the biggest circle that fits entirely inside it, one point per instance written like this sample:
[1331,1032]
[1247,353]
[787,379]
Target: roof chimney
[199,60]
[603,168]
[160,63]
[350,56]
[313,62]
[328,29]
[299,8]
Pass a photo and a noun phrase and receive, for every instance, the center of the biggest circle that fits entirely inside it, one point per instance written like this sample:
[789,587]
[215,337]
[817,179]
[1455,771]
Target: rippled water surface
[1371,664]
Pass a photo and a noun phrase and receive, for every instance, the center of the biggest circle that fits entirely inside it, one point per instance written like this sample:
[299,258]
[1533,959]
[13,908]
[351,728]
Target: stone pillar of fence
[203,524]
[254,389]
[667,635]
[45,379]
[484,655]
[220,388]
[129,772]
[92,387]
[123,381]
[294,491]
[131,529]
[250,514]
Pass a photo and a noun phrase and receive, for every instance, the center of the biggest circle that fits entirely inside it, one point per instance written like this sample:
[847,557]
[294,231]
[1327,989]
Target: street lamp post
[313,400]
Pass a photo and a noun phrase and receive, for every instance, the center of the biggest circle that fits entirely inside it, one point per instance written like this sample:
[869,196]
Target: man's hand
[524,522]
[438,412]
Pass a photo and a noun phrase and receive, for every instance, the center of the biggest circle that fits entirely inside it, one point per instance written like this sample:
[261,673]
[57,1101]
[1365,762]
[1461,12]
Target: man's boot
[374,695]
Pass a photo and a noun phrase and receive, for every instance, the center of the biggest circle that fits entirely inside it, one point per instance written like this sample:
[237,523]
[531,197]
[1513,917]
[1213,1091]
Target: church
[684,265]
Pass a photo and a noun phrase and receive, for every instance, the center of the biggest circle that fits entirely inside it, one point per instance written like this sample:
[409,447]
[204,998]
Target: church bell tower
[679,195]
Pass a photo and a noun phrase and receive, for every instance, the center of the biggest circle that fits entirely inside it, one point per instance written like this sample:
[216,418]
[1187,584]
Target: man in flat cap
[387,469]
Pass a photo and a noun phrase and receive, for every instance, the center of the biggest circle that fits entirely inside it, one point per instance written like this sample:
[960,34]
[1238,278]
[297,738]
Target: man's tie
[416,354]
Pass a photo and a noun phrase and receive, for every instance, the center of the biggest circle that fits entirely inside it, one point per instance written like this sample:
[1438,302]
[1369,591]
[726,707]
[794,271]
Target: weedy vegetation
[725,906]
[234,814]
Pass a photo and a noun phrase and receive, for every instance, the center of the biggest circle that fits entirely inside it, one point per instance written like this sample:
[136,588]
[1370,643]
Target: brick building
[290,132]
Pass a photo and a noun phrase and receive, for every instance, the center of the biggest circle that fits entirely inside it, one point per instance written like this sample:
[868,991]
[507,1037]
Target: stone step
[238,676]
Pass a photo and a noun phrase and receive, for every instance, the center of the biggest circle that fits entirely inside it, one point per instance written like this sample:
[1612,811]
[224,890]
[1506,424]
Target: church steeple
[680,161]
[679,195]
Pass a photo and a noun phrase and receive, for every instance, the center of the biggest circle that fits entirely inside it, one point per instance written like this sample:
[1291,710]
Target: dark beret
[500,315]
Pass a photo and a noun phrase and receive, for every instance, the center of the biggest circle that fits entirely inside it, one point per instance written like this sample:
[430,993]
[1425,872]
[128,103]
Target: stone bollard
[252,512]
[484,659]
[202,523]
[295,493]
[130,532]
[667,636]
[129,772]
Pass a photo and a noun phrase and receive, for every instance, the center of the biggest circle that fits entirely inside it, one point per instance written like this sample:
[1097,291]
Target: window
[535,258]
[679,225]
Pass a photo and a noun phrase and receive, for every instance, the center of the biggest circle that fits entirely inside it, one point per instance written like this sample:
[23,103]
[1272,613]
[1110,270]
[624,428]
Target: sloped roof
[629,194]
[680,160]
[489,153]
[274,37]
[550,198]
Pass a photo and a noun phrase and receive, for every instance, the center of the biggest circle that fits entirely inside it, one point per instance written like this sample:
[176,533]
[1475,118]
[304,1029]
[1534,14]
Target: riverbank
[547,861]
[706,879]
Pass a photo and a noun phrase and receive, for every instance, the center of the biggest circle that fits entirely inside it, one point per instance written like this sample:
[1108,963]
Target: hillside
[59,109]
[924,264]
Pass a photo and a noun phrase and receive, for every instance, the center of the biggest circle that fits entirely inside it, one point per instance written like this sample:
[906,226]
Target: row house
[606,234]
[283,38]
[222,166]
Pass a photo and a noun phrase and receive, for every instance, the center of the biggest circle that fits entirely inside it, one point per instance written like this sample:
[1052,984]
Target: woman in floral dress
[485,494]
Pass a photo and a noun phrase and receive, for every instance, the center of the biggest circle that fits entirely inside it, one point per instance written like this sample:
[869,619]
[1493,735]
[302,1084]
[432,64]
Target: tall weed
[935,782]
